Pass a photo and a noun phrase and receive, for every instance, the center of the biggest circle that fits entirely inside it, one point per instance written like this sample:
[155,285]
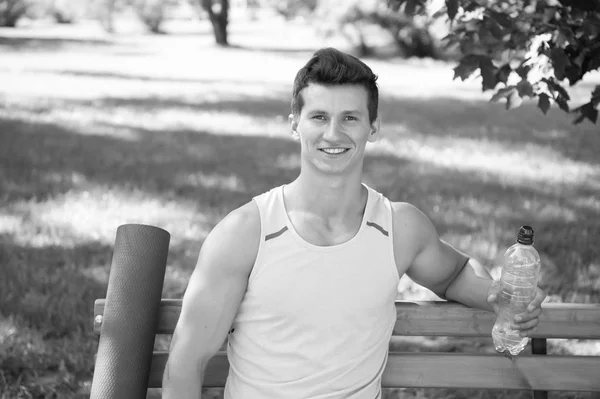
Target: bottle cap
[525,235]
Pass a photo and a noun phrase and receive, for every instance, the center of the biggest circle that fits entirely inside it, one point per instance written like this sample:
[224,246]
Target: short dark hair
[329,66]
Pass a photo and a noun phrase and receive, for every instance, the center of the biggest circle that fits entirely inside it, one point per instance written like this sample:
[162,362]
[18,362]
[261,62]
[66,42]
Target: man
[302,279]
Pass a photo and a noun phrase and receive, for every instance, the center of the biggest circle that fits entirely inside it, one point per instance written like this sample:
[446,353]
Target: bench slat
[558,320]
[452,370]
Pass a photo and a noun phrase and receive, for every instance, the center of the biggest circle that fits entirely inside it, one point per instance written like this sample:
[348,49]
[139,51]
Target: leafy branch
[528,47]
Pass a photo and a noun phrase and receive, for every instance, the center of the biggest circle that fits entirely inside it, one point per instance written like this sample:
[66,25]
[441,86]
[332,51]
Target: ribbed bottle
[518,286]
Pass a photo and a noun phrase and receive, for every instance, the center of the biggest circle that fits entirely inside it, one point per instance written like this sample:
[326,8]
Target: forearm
[182,378]
[471,286]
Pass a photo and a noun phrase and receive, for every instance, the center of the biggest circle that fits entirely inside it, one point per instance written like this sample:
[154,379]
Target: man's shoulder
[234,241]
[406,213]
[241,221]
[411,226]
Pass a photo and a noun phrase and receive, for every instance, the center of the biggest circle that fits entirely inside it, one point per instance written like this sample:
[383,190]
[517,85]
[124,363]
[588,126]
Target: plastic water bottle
[519,282]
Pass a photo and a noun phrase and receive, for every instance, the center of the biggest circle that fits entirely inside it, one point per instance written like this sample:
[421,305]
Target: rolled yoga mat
[130,313]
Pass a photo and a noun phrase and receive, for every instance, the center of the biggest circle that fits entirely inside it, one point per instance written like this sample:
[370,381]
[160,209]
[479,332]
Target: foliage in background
[295,8]
[528,46]
[11,11]
[153,13]
[411,34]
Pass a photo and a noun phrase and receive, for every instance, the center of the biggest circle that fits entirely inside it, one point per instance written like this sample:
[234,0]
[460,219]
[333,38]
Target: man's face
[333,127]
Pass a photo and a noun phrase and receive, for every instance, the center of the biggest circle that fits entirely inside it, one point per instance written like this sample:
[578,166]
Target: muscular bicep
[216,287]
[434,263]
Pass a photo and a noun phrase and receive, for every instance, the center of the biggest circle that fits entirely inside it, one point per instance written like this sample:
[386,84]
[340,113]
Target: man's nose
[332,131]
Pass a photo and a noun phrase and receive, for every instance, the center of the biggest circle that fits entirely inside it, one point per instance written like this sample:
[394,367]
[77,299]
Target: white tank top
[315,321]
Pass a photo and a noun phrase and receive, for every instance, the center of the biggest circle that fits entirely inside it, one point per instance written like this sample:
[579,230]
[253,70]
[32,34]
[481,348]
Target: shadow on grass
[305,52]
[25,43]
[440,118]
[144,78]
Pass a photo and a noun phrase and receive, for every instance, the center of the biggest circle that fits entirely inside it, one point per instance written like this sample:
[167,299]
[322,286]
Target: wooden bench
[535,370]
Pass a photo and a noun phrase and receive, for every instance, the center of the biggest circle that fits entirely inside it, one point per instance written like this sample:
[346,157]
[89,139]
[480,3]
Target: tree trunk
[218,18]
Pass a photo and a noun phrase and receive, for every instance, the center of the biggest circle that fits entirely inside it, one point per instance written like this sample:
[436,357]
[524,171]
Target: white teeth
[334,150]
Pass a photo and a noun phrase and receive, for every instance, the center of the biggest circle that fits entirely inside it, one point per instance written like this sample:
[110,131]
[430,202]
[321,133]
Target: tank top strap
[379,213]
[273,219]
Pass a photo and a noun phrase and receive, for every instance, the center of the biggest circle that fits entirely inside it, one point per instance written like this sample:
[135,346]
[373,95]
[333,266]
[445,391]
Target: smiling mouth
[334,151]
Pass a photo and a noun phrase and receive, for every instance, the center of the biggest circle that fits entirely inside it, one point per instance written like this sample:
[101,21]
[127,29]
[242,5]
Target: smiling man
[302,279]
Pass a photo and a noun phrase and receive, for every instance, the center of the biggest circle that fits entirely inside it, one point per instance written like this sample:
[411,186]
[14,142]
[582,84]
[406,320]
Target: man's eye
[351,118]
[319,117]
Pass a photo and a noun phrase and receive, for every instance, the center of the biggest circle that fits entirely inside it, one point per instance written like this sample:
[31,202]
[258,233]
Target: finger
[526,316]
[528,325]
[540,295]
[495,288]
[528,333]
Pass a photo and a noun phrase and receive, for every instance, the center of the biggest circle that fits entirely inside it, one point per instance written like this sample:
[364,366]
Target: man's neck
[329,197]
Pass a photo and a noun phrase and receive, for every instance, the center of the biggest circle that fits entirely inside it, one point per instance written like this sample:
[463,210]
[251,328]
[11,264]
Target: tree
[529,47]
[153,13]
[218,14]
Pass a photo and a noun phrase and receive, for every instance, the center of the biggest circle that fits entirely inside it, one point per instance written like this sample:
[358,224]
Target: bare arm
[435,264]
[211,300]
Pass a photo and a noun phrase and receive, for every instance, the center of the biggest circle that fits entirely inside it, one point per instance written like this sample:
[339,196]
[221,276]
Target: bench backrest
[450,370]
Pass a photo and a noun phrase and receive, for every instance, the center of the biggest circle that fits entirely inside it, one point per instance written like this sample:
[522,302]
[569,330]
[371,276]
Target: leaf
[525,88]
[523,70]
[502,19]
[563,37]
[503,93]
[591,61]
[588,111]
[514,100]
[414,7]
[556,87]
[596,95]
[410,7]
[503,73]
[488,73]
[494,28]
[584,5]
[511,94]
[562,103]
[544,103]
[471,6]
[560,61]
[573,73]
[548,14]
[466,66]
[452,6]
[591,27]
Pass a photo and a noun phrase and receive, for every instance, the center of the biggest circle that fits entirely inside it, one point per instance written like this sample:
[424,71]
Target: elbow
[453,281]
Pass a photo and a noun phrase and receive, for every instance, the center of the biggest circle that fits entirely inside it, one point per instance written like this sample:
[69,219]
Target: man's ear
[294,125]
[374,131]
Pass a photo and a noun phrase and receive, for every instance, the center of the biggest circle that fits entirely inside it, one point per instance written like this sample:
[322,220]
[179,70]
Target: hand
[526,322]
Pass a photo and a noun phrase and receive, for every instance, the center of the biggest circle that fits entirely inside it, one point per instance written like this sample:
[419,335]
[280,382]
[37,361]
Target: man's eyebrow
[319,111]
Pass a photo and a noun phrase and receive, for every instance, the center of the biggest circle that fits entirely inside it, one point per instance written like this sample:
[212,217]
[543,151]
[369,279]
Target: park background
[99,128]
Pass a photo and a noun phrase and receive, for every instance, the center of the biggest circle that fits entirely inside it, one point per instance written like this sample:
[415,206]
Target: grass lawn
[97,131]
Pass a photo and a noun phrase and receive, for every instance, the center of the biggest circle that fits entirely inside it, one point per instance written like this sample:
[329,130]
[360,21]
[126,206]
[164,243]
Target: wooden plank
[453,370]
[438,318]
